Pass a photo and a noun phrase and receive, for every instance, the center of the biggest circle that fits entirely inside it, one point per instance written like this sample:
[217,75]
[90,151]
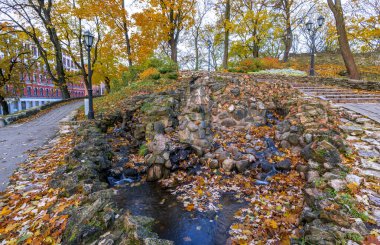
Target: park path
[365,103]
[17,139]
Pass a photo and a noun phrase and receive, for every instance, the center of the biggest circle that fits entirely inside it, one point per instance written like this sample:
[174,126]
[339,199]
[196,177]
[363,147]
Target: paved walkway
[17,139]
[369,110]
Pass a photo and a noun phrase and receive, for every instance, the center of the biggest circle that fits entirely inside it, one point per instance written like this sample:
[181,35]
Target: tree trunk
[227,17]
[65,91]
[174,51]
[288,41]
[107,83]
[129,49]
[4,105]
[256,50]
[196,52]
[127,39]
[345,49]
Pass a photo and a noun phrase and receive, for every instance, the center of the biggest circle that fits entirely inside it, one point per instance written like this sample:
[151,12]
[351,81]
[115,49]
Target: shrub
[150,73]
[163,65]
[168,66]
[172,75]
[250,65]
[131,75]
[271,63]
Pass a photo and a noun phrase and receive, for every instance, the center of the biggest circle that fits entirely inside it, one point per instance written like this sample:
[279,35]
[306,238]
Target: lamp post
[88,39]
[312,29]
[209,43]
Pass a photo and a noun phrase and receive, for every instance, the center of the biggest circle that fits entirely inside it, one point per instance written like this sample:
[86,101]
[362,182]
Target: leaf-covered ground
[31,211]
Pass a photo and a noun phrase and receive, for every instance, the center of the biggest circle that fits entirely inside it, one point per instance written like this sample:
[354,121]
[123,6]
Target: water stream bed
[173,222]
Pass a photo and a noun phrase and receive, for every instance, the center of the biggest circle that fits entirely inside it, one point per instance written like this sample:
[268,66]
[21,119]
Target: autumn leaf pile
[30,211]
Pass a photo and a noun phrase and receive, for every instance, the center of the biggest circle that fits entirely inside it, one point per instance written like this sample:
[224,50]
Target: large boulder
[322,152]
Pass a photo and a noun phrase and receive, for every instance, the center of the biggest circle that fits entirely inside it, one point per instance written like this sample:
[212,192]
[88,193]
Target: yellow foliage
[150,73]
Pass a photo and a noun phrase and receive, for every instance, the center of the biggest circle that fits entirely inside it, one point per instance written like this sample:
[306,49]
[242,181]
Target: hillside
[332,65]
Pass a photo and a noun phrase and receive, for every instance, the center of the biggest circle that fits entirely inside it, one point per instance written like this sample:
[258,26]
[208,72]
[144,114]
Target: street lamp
[88,39]
[312,29]
[209,44]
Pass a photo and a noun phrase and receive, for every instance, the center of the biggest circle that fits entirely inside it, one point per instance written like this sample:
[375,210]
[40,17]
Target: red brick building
[39,88]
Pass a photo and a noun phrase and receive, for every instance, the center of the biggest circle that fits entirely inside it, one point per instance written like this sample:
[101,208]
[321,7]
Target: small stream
[173,221]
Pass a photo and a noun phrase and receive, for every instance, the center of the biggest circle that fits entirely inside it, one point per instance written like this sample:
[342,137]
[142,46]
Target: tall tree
[253,24]
[126,34]
[29,16]
[227,19]
[290,13]
[348,58]
[174,17]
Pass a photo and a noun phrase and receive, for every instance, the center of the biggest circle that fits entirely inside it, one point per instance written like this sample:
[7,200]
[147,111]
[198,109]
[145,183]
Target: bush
[172,75]
[163,65]
[271,63]
[250,65]
[131,75]
[150,73]
[168,66]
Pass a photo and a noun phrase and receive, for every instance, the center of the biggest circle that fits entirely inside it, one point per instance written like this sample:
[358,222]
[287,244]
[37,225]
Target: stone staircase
[337,95]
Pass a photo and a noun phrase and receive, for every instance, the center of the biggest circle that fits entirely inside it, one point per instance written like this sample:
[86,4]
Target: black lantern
[88,39]
[209,43]
[321,20]
[309,25]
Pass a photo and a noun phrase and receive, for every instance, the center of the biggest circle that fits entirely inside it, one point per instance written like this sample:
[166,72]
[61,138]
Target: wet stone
[235,91]
[284,165]
[242,165]
[228,122]
[228,165]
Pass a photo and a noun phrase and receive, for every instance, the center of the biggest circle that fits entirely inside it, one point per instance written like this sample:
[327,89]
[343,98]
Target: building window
[35,78]
[40,78]
[29,91]
[35,91]
[47,92]
[41,92]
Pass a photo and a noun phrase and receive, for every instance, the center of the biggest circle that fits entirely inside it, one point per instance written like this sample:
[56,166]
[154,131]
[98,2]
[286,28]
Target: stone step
[326,91]
[371,96]
[353,100]
[323,89]
[370,165]
[335,92]
[371,173]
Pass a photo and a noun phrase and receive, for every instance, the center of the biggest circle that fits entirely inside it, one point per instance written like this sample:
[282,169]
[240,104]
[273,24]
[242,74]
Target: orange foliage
[151,72]
[271,63]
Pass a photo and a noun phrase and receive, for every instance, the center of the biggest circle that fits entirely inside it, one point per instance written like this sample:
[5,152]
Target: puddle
[173,221]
